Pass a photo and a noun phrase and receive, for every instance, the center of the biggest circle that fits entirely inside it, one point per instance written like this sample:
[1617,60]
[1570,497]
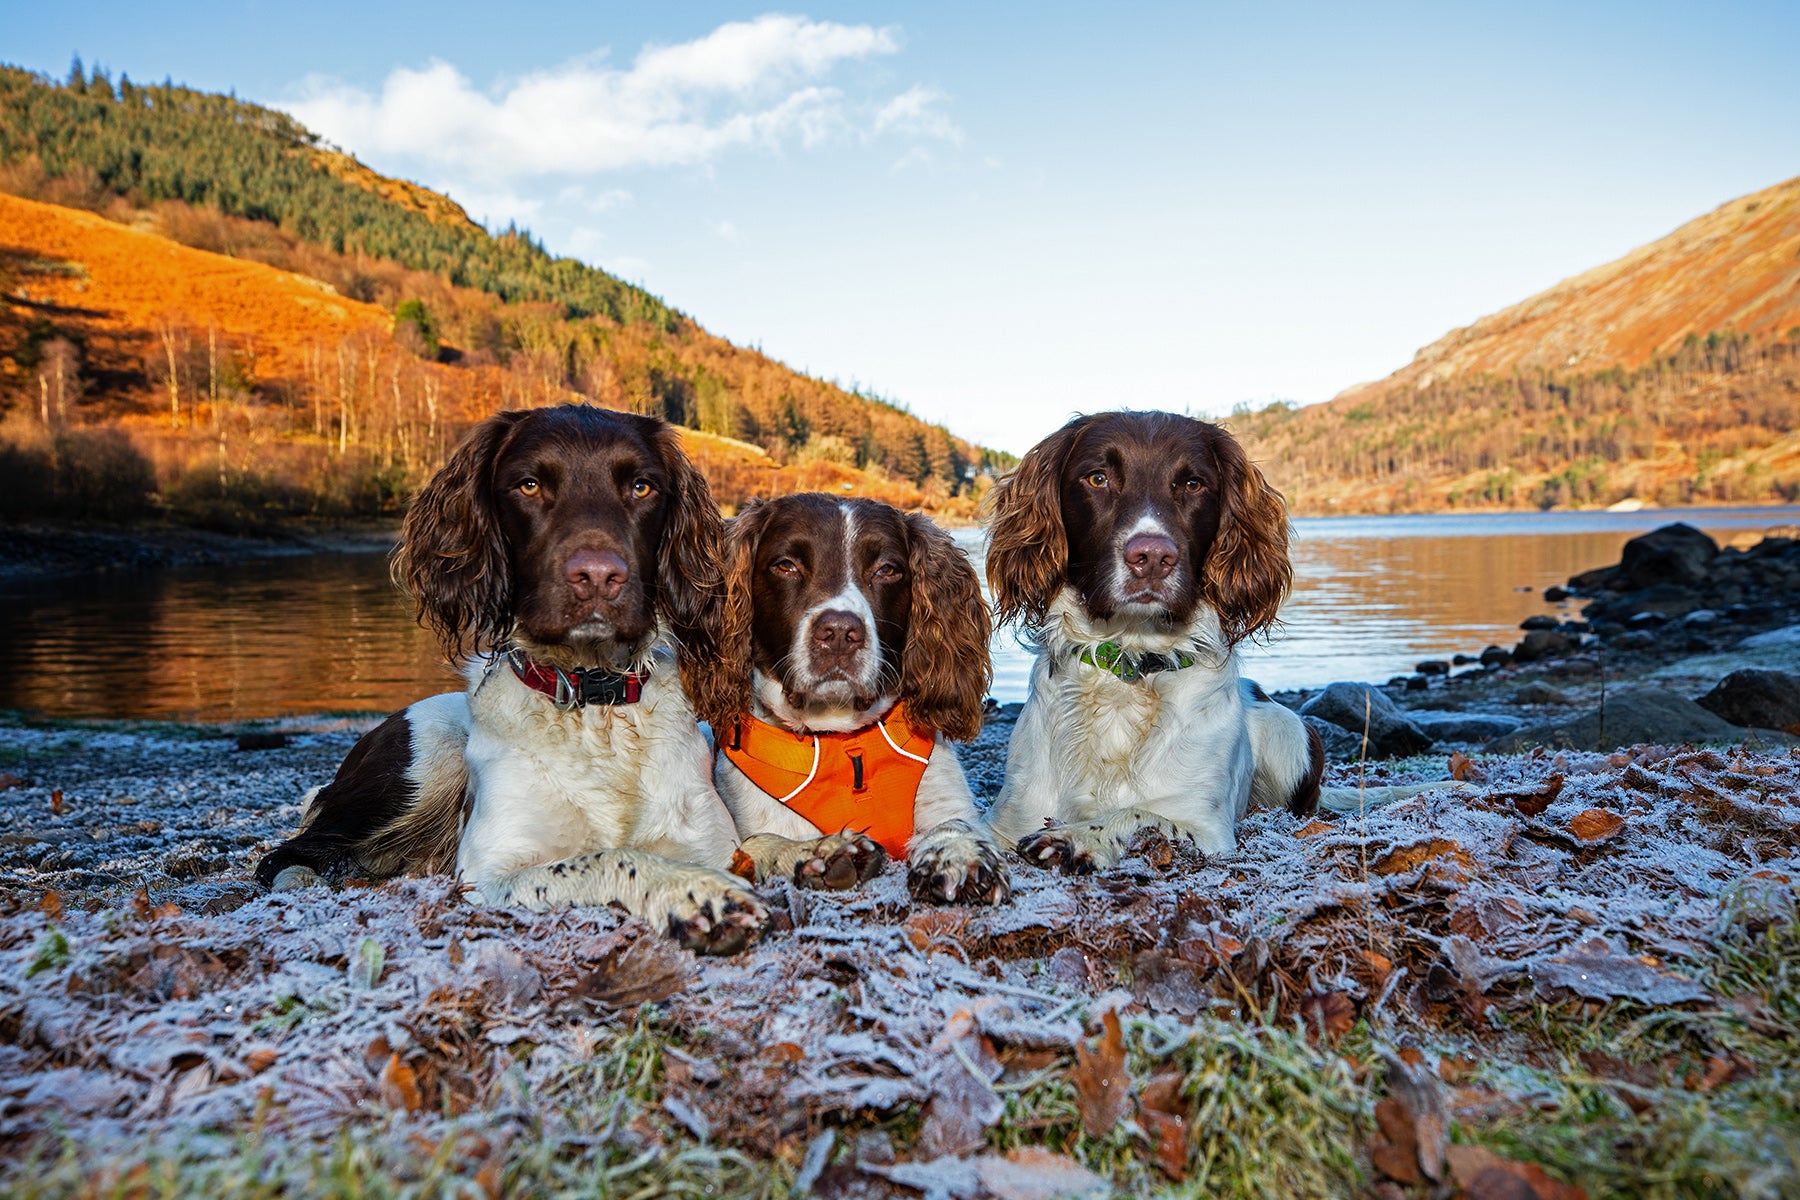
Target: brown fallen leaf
[1102,1086]
[51,905]
[1595,825]
[9,781]
[1484,1175]
[260,1059]
[743,866]
[399,1087]
[1328,1015]
[1163,1114]
[1314,829]
[1394,1146]
[56,802]
[1406,858]
[963,1104]
[1532,803]
[647,969]
[1463,767]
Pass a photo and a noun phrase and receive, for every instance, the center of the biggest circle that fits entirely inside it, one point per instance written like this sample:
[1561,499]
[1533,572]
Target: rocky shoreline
[1680,642]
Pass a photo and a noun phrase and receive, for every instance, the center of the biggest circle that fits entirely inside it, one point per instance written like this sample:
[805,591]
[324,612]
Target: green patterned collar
[1110,656]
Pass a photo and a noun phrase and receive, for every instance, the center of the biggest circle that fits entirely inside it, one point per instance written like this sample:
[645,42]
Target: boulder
[1540,644]
[1434,666]
[1538,621]
[1496,656]
[1463,727]
[1340,744]
[1633,715]
[1555,594]
[1538,692]
[1757,698]
[1391,734]
[1675,553]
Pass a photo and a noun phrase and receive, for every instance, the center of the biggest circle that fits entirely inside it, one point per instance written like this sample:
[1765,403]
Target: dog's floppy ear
[944,669]
[722,693]
[1028,548]
[690,589]
[452,556]
[1248,573]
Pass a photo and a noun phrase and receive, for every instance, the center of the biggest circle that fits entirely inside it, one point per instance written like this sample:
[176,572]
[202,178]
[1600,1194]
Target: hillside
[1669,376]
[263,318]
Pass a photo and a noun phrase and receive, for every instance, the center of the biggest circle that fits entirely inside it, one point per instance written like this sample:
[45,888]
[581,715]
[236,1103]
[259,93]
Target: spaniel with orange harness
[861,638]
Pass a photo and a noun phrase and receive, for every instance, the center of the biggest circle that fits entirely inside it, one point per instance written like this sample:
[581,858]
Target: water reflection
[1373,596]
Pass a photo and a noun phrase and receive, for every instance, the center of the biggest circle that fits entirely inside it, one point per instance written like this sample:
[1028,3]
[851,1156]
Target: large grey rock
[1633,715]
[1391,734]
[1441,726]
[1675,553]
[1758,698]
[1540,644]
[1340,744]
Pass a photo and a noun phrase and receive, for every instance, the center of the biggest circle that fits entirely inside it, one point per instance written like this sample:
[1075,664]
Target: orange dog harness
[865,781]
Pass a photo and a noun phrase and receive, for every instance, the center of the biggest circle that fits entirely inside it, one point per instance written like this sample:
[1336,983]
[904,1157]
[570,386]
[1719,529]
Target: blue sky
[1003,214]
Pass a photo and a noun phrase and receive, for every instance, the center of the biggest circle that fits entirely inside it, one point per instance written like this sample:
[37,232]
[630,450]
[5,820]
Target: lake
[328,633]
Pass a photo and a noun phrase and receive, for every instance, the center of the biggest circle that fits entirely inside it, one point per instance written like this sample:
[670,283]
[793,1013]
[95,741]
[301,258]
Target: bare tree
[59,381]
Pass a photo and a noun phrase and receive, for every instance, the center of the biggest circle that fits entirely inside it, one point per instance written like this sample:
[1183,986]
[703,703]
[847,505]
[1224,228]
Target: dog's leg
[707,911]
[952,858]
[1083,847]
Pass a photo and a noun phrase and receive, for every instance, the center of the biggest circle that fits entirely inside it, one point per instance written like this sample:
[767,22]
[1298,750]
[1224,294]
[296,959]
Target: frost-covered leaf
[366,960]
[645,969]
[1595,825]
[1034,1173]
[1594,970]
[1102,1085]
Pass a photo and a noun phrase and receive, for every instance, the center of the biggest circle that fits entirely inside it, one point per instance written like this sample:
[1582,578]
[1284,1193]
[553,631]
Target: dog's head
[568,530]
[836,607]
[1146,516]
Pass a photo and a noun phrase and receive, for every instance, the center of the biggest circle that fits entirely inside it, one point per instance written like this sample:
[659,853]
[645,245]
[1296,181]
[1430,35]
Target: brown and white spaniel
[859,639]
[572,555]
[1137,550]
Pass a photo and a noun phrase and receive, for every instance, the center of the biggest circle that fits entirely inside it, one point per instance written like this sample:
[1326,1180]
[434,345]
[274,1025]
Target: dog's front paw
[955,865]
[1071,849]
[839,861]
[716,916]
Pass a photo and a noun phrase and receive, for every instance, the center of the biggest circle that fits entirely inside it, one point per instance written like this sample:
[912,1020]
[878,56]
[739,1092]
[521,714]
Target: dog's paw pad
[840,861]
[1058,849]
[958,874]
[723,924]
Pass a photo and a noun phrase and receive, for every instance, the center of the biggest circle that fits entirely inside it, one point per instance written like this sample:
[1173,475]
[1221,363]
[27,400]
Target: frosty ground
[1581,974]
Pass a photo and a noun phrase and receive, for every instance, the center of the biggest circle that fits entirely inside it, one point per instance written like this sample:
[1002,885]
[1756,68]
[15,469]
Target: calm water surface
[328,633]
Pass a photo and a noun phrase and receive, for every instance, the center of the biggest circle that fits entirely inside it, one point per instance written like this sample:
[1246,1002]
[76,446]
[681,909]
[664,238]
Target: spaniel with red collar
[860,638]
[1137,550]
[571,555]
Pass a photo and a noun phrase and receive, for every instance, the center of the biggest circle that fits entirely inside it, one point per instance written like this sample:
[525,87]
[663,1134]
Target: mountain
[1671,375]
[261,317]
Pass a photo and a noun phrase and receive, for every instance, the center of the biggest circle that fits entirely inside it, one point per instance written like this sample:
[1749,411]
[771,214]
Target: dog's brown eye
[642,488]
[1097,479]
[887,571]
[784,566]
[528,487]
[1190,485]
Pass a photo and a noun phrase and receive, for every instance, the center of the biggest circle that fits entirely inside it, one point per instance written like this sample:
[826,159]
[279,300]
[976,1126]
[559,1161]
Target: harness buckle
[567,695]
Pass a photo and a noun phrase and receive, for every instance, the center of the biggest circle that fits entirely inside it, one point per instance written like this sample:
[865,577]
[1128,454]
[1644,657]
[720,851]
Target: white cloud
[747,83]
[725,231]
[917,112]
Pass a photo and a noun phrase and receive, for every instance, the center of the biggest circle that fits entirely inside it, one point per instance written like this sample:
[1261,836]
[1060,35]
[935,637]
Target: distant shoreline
[46,550]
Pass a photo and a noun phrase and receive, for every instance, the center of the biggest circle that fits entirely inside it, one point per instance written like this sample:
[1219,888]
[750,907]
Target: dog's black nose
[594,573]
[837,630]
[1151,556]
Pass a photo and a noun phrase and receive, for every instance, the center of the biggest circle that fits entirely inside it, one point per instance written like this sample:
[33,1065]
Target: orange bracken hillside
[304,361]
[1671,376]
[1737,268]
[125,280]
